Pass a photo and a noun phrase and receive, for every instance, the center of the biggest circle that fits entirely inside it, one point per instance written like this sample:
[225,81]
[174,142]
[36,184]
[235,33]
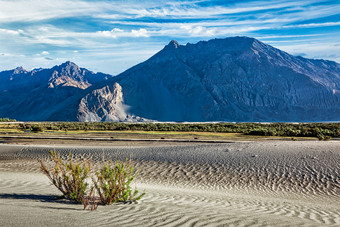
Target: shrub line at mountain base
[322,131]
[5,119]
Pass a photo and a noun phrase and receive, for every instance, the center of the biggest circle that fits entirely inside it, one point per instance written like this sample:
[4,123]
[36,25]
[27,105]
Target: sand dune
[281,183]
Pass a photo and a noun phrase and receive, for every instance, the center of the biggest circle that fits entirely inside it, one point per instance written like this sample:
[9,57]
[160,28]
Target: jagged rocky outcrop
[105,104]
[232,79]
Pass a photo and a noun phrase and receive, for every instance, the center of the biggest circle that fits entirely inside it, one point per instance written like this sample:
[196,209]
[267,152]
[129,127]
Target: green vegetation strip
[7,120]
[323,131]
[113,139]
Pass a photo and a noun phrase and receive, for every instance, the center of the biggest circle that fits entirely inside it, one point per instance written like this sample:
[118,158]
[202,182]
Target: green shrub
[262,132]
[321,136]
[7,120]
[36,128]
[69,177]
[112,182]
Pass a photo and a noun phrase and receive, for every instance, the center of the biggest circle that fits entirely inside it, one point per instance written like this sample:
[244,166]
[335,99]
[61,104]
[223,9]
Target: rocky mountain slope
[232,79]
[41,93]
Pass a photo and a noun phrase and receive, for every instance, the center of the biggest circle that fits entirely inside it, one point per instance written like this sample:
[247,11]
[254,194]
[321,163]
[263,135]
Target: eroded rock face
[105,104]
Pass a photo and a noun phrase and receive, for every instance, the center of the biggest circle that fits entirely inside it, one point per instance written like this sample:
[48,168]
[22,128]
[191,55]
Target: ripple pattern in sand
[167,206]
[241,184]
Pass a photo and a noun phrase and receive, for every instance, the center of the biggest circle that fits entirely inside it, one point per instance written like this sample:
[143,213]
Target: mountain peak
[173,44]
[237,43]
[67,68]
[19,69]
[68,64]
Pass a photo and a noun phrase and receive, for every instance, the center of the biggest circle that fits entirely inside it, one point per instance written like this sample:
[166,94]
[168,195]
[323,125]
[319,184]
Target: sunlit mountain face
[230,79]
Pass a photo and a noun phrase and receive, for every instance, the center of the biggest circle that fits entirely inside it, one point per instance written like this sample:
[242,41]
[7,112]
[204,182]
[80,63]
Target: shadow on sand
[40,198]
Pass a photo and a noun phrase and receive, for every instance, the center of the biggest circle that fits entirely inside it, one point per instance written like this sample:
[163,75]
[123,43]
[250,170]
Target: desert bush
[36,128]
[321,136]
[262,132]
[69,177]
[113,182]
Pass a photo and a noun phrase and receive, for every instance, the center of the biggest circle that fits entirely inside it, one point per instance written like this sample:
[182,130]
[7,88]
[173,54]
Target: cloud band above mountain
[95,33]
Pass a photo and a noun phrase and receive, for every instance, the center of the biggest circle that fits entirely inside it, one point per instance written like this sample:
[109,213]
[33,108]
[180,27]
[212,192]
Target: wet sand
[259,183]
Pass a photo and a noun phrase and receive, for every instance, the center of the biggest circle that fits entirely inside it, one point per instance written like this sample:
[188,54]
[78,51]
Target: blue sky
[111,36]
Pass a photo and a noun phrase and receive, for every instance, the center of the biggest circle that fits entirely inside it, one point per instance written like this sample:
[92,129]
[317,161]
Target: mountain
[231,79]
[41,93]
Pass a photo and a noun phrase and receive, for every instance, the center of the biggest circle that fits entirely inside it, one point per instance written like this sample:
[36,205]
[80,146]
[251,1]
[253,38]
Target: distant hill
[231,79]
[41,93]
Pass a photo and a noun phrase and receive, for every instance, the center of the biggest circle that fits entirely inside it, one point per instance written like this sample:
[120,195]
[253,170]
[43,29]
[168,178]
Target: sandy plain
[241,183]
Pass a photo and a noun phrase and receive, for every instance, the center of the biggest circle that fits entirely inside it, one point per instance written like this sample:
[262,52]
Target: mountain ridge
[242,62]
[231,79]
[36,94]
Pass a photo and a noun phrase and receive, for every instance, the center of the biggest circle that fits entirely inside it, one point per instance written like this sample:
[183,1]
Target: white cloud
[285,36]
[206,23]
[35,10]
[11,32]
[183,20]
[45,53]
[116,33]
[312,25]
[313,49]
[107,34]
[140,33]
[39,35]
[192,10]
[51,41]
[199,30]
[185,30]
[38,10]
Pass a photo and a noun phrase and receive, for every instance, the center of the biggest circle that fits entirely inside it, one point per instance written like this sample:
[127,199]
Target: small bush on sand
[69,177]
[112,182]
[321,136]
[36,128]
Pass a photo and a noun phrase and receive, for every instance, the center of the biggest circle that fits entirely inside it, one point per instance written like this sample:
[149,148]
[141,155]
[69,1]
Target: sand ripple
[239,184]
